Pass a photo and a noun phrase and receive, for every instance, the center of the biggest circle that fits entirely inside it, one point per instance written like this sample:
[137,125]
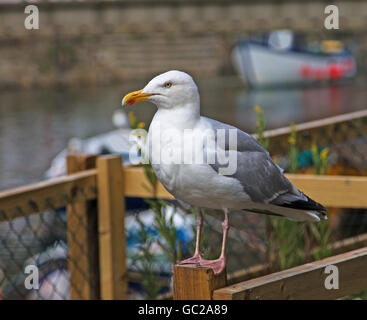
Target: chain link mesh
[347,145]
[346,142]
[31,237]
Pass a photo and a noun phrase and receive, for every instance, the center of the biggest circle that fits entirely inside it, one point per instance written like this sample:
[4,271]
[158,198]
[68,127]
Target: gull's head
[168,90]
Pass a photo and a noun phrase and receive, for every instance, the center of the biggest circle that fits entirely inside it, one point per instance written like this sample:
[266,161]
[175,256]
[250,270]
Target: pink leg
[196,258]
[219,264]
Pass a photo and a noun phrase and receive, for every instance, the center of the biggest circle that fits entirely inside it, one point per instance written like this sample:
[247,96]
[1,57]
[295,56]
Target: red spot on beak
[131,101]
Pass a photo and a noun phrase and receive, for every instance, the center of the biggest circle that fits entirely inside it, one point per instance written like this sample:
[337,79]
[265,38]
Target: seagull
[252,182]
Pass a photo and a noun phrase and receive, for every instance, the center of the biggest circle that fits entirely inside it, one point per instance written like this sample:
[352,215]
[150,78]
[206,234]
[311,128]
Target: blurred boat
[113,142]
[278,60]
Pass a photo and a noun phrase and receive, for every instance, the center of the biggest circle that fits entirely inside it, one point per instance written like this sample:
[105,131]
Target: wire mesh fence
[35,260]
[249,244]
[292,243]
[345,137]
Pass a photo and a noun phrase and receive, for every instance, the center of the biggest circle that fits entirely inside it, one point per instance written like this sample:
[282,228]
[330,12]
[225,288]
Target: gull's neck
[181,117]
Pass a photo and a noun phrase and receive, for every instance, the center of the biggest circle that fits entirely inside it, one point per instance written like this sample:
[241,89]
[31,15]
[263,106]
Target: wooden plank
[137,184]
[38,197]
[333,191]
[111,228]
[349,244]
[195,283]
[337,247]
[326,130]
[248,273]
[317,123]
[81,235]
[304,282]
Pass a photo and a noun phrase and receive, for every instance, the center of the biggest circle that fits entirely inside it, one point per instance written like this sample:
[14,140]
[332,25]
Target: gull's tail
[295,207]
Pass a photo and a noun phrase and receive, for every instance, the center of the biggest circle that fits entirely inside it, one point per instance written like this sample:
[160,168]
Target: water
[37,124]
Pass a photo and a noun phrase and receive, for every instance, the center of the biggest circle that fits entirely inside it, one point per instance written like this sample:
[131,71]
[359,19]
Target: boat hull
[260,65]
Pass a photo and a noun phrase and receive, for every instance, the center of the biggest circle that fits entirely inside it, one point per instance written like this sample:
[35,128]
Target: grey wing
[260,177]
[245,142]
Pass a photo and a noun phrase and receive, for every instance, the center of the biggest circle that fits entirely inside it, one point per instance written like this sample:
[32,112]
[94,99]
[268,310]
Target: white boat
[117,141]
[278,61]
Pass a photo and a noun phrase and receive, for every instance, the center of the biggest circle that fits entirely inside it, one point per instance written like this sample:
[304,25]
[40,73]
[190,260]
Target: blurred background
[66,79]
[60,85]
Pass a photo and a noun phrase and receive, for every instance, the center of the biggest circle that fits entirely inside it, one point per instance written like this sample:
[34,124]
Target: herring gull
[188,153]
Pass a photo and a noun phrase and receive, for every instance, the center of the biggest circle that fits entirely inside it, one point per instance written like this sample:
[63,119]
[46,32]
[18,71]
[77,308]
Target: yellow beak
[135,96]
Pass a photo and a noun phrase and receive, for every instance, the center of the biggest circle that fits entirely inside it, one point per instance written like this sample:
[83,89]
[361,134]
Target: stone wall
[100,42]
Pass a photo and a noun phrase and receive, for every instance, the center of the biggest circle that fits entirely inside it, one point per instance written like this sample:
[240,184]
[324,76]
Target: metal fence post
[81,236]
[111,228]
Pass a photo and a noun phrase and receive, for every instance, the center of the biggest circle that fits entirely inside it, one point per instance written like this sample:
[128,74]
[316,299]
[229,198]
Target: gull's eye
[168,84]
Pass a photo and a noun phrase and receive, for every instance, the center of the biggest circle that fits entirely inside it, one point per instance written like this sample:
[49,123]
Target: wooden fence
[105,179]
[327,131]
[302,282]
[99,273]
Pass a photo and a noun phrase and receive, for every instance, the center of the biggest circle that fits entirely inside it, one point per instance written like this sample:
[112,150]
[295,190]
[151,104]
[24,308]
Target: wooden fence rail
[301,282]
[337,247]
[332,191]
[337,129]
[55,189]
[304,282]
[104,180]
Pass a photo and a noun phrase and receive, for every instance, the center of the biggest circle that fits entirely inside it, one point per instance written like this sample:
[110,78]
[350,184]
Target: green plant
[145,262]
[168,240]
[324,155]
[134,124]
[358,296]
[291,243]
[319,158]
[293,152]
[260,127]
[321,232]
[165,226]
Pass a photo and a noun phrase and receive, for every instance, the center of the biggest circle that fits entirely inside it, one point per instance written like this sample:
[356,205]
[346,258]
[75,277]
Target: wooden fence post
[196,283]
[81,236]
[111,228]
